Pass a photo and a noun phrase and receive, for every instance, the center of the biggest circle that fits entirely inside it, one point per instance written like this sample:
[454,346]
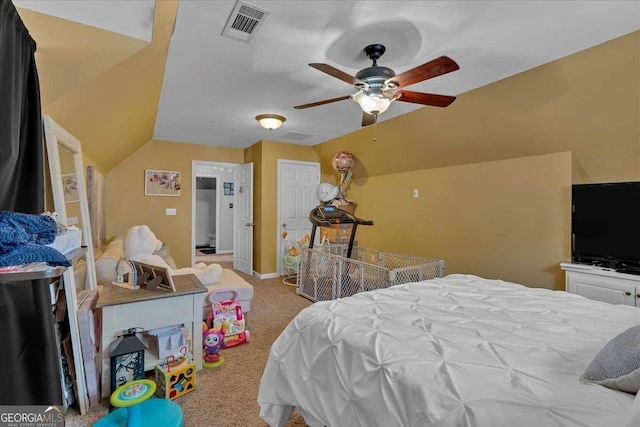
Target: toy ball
[343,161]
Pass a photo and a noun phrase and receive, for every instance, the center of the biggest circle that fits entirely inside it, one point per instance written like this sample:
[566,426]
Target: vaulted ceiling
[119,73]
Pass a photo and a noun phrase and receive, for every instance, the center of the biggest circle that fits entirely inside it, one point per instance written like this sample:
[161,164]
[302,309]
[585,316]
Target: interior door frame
[194,178]
[243,219]
[279,240]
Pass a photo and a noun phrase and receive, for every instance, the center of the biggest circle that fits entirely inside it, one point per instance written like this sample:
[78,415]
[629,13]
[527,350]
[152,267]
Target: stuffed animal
[140,243]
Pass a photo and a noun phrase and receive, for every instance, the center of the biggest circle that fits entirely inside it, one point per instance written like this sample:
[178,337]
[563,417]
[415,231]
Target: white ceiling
[215,86]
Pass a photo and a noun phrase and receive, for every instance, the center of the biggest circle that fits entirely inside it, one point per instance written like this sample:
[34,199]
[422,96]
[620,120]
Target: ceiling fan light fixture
[377,104]
[270,121]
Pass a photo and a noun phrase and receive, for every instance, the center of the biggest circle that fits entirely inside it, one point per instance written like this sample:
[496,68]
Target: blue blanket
[23,238]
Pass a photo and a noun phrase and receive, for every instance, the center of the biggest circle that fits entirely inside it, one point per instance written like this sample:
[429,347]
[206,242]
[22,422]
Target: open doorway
[212,213]
[206,215]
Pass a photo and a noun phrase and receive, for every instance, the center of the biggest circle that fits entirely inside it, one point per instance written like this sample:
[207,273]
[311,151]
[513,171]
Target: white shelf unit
[602,284]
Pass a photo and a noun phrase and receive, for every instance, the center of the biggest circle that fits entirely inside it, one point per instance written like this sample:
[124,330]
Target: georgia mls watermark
[31,416]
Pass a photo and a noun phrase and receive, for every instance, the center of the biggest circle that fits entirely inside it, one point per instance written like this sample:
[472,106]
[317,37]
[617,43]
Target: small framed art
[228,188]
[161,183]
[70,188]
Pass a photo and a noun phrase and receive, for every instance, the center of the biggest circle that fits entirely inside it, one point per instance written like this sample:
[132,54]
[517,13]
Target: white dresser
[602,284]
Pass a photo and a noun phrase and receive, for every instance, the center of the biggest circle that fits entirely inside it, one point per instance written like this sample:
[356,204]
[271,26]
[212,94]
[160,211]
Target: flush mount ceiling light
[270,121]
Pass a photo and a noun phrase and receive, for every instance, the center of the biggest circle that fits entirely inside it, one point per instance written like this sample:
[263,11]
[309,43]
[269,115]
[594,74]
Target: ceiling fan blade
[431,69]
[334,72]
[424,98]
[326,101]
[368,119]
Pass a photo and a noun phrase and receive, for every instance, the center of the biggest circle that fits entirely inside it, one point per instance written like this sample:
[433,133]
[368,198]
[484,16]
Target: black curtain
[29,358]
[21,147]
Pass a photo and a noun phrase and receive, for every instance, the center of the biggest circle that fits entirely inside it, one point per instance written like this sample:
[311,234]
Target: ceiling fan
[378,86]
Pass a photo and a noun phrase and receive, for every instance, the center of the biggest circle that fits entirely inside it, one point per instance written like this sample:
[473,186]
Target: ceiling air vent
[244,22]
[296,136]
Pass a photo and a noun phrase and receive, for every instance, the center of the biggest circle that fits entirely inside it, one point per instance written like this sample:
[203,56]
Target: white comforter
[456,351]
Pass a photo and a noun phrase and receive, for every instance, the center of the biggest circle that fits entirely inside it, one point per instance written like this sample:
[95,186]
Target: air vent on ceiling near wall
[296,136]
[244,22]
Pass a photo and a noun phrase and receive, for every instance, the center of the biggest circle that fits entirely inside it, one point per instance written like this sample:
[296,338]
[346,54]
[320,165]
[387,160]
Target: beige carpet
[227,396]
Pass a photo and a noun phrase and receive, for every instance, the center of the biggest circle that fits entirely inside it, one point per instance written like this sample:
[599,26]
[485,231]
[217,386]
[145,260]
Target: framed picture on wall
[228,188]
[161,183]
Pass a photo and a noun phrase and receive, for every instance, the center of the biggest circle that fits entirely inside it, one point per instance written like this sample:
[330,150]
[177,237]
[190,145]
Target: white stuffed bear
[140,243]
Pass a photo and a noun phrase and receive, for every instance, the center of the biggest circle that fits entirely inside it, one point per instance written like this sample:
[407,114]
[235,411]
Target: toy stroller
[227,316]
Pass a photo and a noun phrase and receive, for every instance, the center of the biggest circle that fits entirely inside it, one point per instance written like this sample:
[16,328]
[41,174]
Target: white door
[243,219]
[297,196]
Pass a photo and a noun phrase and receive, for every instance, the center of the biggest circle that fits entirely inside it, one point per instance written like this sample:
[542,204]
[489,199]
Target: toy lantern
[127,359]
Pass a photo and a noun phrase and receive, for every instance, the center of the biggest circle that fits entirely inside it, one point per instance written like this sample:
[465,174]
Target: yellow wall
[112,113]
[128,206]
[508,219]
[587,103]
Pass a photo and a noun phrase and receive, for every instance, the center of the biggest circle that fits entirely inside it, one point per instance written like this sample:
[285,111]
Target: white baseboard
[266,276]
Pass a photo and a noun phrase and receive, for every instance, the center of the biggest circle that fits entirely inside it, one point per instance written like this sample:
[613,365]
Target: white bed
[456,351]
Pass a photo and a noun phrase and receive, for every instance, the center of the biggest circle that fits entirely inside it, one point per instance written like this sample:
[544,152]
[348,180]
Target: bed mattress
[456,351]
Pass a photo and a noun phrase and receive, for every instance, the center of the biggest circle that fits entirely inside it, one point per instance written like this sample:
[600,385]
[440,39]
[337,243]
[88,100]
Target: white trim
[194,177]
[265,276]
[279,243]
[56,136]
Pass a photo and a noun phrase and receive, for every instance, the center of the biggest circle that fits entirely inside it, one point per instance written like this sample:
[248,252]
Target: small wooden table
[123,309]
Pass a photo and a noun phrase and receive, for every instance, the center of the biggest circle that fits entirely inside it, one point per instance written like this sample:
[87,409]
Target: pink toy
[227,316]
[213,341]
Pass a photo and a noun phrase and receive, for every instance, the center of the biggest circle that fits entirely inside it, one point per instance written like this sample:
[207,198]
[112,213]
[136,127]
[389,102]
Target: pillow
[617,365]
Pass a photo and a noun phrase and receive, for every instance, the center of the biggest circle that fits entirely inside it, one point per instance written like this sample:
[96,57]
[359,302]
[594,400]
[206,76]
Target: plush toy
[140,243]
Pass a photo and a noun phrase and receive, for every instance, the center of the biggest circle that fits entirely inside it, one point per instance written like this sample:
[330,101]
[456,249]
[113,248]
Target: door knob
[627,293]
[284,225]
[250,224]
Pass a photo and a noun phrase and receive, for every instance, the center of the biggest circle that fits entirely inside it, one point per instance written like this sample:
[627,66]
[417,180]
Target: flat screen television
[605,225]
